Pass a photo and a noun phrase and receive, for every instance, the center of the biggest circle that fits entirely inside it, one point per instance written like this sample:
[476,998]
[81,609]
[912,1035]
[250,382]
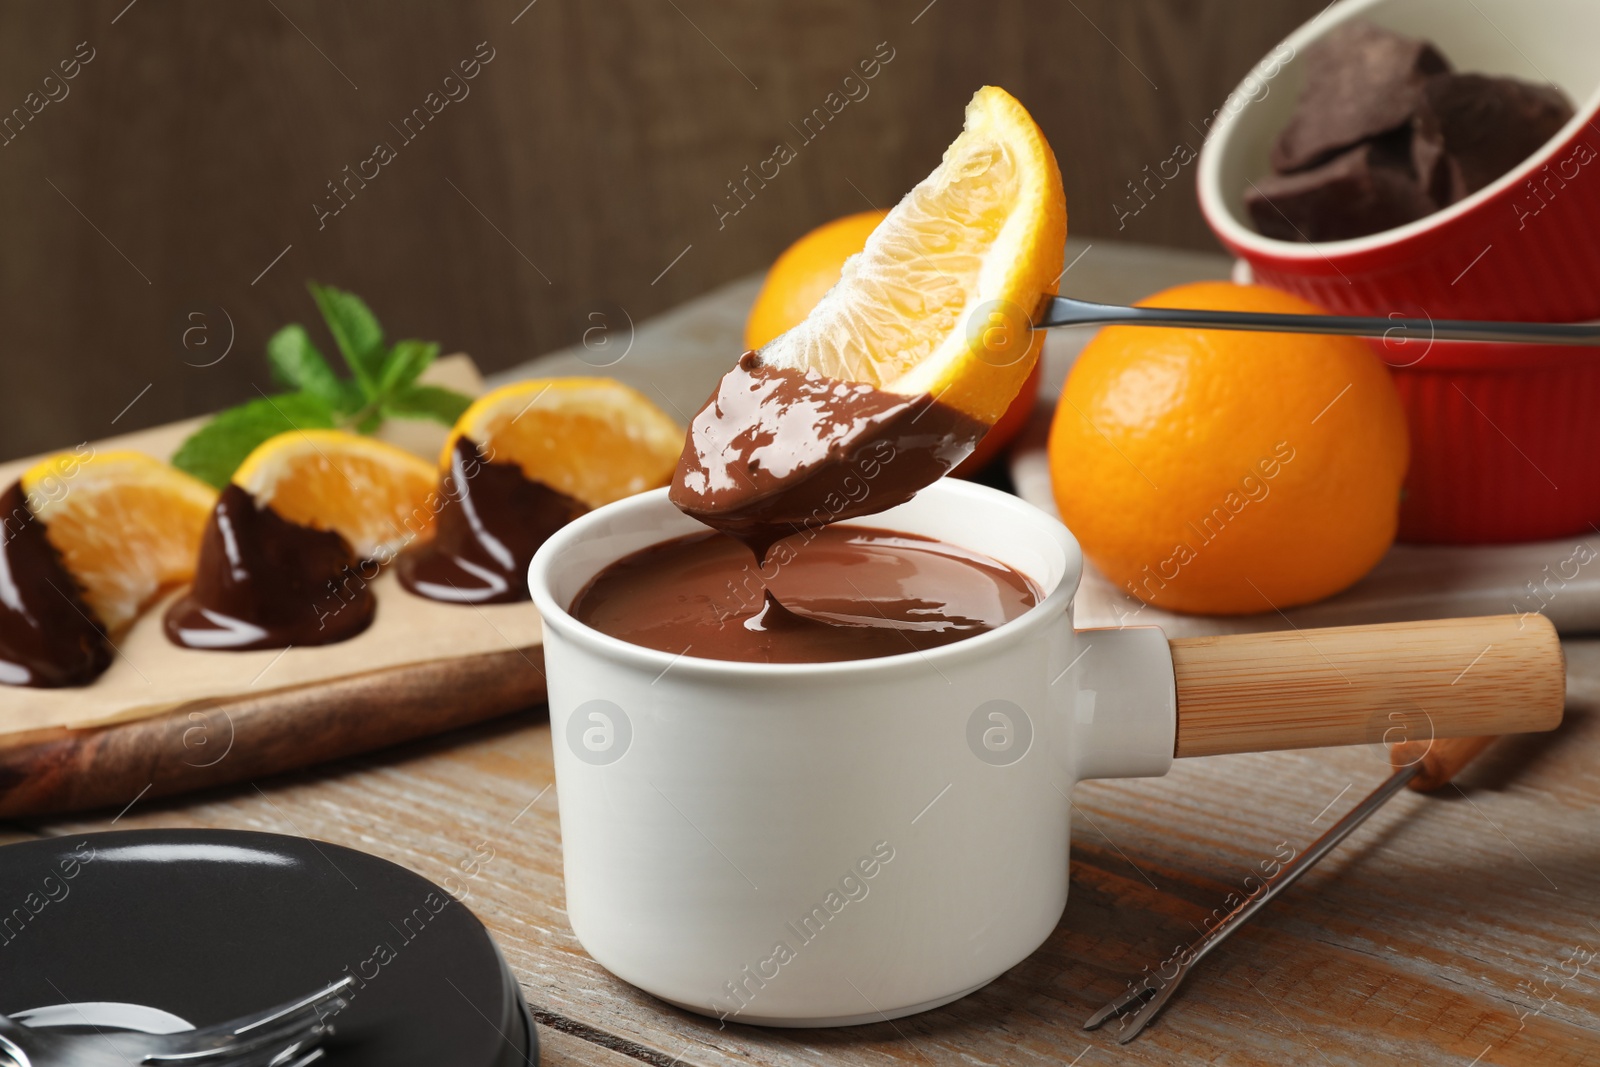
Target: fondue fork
[1064,311]
[1424,765]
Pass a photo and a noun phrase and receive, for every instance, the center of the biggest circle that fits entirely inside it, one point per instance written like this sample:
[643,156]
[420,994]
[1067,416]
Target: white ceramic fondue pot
[824,844]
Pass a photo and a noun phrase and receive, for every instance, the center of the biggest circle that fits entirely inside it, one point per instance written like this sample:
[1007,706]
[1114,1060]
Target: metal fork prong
[285,1019]
[304,1020]
[313,1002]
[1131,1026]
[1120,1005]
[307,1050]
[266,1051]
[257,1045]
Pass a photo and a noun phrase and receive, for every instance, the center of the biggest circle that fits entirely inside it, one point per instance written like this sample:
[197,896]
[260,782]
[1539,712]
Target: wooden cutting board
[165,720]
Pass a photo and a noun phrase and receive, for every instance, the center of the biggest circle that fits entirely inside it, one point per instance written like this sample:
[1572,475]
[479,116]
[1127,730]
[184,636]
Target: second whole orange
[1220,472]
[803,272]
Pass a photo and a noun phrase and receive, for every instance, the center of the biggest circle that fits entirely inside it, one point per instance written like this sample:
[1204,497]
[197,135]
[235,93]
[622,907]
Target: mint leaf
[427,402]
[405,361]
[384,384]
[355,330]
[214,451]
[351,398]
[297,364]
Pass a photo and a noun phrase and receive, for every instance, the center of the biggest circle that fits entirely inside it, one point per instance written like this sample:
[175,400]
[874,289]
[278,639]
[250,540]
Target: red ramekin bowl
[1502,436]
[1504,443]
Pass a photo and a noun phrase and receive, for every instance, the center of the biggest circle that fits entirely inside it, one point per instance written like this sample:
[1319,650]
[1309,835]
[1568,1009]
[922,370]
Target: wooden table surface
[1441,932]
[1461,927]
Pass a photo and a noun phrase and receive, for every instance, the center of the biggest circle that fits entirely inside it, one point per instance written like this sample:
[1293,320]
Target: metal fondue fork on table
[1423,765]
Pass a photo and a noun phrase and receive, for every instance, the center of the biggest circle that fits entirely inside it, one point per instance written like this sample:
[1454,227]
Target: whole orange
[809,268]
[803,272]
[1222,472]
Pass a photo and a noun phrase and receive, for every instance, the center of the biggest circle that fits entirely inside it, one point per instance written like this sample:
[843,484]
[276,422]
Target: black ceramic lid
[212,924]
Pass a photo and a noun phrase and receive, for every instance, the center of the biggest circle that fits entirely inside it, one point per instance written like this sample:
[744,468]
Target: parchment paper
[151,675]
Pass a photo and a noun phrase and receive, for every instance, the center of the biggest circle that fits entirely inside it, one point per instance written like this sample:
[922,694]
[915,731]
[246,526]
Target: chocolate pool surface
[825,595]
[775,452]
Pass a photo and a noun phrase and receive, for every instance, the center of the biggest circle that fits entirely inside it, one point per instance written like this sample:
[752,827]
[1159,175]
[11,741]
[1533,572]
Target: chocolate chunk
[1428,162]
[1368,188]
[1361,81]
[1477,127]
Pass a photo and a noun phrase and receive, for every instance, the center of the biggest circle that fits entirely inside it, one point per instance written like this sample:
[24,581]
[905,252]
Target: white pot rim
[1007,509]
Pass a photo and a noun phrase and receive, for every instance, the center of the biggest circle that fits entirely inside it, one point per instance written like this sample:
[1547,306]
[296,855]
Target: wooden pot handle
[1354,685]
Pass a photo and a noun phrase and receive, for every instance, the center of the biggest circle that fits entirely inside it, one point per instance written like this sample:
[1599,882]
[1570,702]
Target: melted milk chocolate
[846,593]
[265,582]
[775,452]
[493,519]
[48,635]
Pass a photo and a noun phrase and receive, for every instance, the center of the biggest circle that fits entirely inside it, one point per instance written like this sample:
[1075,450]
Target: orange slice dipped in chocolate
[294,542]
[90,540]
[372,494]
[904,365]
[522,462]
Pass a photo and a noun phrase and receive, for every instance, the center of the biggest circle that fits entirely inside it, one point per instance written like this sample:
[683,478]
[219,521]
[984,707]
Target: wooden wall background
[187,155]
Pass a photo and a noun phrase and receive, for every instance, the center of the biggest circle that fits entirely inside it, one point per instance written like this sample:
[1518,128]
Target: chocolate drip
[776,451]
[265,582]
[846,593]
[493,519]
[48,636]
